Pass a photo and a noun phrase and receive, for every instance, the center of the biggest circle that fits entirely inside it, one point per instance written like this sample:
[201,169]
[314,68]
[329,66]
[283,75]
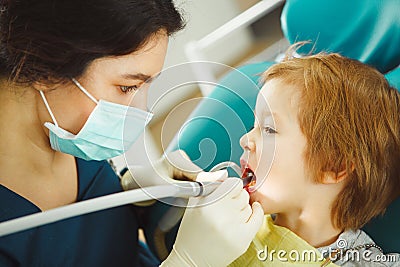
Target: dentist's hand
[173,166]
[218,230]
[168,169]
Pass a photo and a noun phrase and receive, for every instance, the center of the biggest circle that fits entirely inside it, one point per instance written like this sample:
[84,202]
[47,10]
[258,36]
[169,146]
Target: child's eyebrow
[267,113]
[273,115]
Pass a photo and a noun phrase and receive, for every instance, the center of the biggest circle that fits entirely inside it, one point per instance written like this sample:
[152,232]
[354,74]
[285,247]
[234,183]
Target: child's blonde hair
[350,117]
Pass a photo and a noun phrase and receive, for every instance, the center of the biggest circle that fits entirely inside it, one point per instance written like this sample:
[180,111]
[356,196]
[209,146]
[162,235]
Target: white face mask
[110,130]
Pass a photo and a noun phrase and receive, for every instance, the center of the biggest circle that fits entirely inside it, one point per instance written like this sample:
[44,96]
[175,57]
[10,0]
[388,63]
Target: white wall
[204,16]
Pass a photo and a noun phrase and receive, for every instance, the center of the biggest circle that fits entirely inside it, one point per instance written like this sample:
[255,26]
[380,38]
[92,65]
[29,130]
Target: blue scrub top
[103,238]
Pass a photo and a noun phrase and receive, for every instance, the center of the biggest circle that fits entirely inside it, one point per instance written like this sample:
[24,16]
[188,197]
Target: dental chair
[365,30]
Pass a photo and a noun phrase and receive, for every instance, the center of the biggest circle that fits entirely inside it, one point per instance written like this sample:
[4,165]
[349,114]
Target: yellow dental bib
[278,246]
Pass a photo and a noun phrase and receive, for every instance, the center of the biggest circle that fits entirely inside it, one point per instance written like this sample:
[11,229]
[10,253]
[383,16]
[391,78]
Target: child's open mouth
[249,179]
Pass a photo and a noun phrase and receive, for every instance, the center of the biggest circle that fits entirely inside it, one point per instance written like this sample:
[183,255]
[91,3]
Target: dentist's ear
[40,86]
[50,84]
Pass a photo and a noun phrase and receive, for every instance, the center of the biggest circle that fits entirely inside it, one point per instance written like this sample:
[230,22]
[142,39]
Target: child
[325,153]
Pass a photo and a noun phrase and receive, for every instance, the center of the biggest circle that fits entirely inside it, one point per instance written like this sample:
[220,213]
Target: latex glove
[168,169]
[219,231]
[173,166]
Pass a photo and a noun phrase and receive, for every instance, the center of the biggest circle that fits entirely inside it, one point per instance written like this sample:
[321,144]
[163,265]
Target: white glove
[175,165]
[168,169]
[218,230]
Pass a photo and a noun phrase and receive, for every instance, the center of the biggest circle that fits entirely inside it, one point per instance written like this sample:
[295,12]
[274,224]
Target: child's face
[273,150]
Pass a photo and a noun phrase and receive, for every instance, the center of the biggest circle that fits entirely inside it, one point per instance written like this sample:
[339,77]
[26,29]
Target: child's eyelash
[269,130]
[128,89]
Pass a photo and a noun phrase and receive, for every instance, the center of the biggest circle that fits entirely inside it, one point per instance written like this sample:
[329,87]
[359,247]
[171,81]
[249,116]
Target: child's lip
[244,164]
[248,176]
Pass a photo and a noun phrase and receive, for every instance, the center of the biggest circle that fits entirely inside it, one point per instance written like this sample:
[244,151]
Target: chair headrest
[365,30]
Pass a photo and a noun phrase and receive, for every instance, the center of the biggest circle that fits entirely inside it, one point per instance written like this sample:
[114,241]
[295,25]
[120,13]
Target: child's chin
[253,197]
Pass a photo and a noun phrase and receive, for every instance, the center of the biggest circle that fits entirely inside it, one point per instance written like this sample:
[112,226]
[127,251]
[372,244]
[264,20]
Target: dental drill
[181,189]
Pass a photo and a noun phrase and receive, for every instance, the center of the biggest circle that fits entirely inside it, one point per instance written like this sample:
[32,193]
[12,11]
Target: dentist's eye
[269,130]
[128,89]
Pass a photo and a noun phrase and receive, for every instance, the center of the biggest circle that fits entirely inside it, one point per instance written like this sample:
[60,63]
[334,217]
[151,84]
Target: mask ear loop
[84,90]
[48,108]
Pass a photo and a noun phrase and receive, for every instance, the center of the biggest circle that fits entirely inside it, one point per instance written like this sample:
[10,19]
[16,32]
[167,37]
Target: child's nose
[246,142]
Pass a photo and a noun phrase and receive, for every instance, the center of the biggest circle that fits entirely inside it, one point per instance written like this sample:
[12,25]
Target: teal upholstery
[394,78]
[365,30]
[385,230]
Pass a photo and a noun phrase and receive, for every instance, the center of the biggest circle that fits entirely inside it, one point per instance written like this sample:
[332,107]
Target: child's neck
[315,228]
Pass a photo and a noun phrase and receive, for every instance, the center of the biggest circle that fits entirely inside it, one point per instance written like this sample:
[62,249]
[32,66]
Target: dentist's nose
[139,99]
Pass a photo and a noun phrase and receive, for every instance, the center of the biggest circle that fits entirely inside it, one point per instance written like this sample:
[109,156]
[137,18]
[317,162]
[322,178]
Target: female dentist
[68,72]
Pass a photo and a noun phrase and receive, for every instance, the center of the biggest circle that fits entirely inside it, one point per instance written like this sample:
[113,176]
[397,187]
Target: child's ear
[331,177]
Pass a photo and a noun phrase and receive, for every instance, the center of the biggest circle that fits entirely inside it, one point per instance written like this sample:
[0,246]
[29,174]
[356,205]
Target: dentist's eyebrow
[140,76]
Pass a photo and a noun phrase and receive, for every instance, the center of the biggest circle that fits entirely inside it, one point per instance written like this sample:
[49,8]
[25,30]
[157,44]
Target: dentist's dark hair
[49,41]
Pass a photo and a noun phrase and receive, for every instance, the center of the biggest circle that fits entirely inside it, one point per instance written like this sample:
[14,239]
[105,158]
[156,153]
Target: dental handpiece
[246,176]
[182,189]
[179,189]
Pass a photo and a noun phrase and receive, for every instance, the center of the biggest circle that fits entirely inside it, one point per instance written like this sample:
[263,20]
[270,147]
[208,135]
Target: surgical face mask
[110,130]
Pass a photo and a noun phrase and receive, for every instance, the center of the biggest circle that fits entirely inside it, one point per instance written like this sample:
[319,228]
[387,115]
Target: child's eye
[269,130]
[128,89]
